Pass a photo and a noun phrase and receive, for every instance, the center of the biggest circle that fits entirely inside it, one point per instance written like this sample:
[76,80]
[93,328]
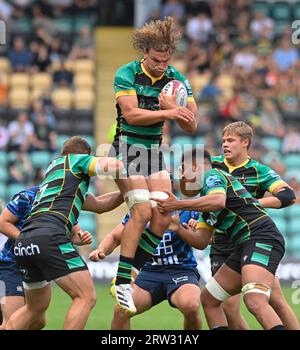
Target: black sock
[147,245]
[220,328]
[279,327]
[124,270]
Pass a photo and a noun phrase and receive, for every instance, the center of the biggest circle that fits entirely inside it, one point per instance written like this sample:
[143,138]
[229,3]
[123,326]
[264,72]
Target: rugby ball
[181,96]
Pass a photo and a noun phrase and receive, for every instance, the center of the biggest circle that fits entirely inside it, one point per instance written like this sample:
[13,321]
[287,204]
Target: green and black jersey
[63,191]
[132,79]
[257,178]
[243,219]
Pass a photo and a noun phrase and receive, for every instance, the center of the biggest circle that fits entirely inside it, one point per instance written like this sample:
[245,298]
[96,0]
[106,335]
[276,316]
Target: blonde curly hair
[159,35]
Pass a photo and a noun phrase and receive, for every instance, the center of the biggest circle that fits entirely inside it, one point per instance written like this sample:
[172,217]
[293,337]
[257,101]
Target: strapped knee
[136,196]
[256,287]
[216,290]
[157,195]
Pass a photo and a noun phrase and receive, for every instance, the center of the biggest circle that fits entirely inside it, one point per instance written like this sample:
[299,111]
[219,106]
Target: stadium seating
[40,159]
[292,161]
[281,10]
[4,65]
[273,143]
[14,188]
[281,225]
[260,6]
[19,98]
[41,81]
[19,81]
[3,159]
[62,98]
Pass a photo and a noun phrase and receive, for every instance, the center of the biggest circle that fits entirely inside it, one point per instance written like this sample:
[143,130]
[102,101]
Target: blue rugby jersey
[172,250]
[19,206]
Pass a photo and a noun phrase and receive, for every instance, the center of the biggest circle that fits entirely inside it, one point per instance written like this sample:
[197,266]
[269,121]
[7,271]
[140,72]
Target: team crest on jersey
[242,179]
[213,181]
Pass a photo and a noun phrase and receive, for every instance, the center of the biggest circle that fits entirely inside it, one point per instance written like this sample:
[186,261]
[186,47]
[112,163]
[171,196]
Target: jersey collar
[153,79]
[231,168]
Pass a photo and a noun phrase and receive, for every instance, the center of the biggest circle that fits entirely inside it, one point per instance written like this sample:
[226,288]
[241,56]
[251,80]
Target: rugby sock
[124,270]
[220,328]
[147,245]
[279,327]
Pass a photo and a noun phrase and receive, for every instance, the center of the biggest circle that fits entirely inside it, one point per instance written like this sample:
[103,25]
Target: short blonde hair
[241,129]
[158,35]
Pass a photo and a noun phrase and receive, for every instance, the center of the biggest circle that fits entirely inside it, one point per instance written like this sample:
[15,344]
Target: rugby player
[142,110]
[258,245]
[170,275]
[44,250]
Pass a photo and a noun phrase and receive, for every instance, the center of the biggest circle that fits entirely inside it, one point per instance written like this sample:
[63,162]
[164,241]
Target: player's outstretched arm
[110,242]
[7,224]
[211,202]
[103,203]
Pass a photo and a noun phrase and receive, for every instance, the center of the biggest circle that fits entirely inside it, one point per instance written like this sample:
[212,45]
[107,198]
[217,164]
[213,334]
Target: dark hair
[193,153]
[76,145]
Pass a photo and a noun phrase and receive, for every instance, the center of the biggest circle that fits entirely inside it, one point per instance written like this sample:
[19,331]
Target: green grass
[161,316]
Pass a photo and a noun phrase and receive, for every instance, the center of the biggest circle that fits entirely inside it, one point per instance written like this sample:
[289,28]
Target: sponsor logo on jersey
[213,181]
[28,250]
[242,179]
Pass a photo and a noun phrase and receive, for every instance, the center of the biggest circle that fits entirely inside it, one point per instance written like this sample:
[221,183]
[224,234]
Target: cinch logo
[31,249]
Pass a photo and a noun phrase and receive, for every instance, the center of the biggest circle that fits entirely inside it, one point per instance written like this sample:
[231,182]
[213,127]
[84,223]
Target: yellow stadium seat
[36,94]
[41,81]
[84,66]
[19,80]
[84,99]
[198,81]
[4,64]
[18,98]
[62,98]
[69,65]
[179,64]
[84,81]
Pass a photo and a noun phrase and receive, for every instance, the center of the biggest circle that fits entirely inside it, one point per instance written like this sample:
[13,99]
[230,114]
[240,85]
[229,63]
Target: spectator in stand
[4,137]
[41,61]
[84,45]
[44,137]
[20,132]
[291,141]
[245,58]
[5,10]
[37,108]
[285,56]
[41,19]
[174,9]
[196,58]
[38,176]
[293,181]
[271,120]
[199,28]
[63,77]
[262,26]
[19,56]
[20,170]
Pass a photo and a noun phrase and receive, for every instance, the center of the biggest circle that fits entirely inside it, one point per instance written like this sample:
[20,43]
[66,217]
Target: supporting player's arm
[210,202]
[108,244]
[143,117]
[282,196]
[80,237]
[103,203]
[7,224]
[199,238]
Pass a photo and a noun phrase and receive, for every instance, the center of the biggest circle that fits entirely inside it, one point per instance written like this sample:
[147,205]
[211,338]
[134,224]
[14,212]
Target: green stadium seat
[199,140]
[40,159]
[3,159]
[281,225]
[273,143]
[293,212]
[260,6]
[292,173]
[3,174]
[277,213]
[182,140]
[281,25]
[14,188]
[60,140]
[12,156]
[292,161]
[294,227]
[296,10]
[281,10]
[64,25]
[2,192]
[87,221]
[21,26]
[294,244]
[83,21]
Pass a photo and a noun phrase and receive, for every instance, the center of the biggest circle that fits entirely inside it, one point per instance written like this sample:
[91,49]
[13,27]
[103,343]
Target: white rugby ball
[181,96]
